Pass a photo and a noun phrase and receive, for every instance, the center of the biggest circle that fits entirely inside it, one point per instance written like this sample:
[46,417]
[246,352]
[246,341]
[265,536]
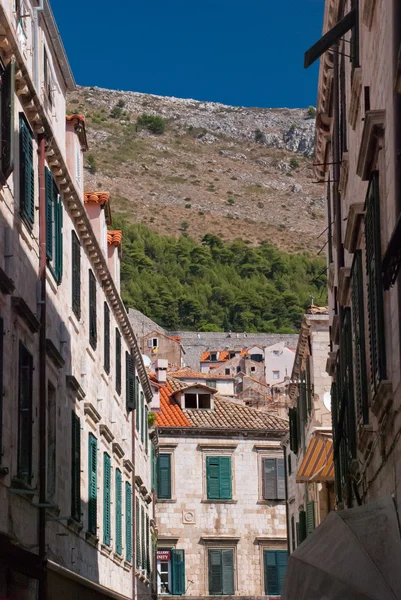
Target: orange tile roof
[96,197]
[223,355]
[188,373]
[76,117]
[171,414]
[114,237]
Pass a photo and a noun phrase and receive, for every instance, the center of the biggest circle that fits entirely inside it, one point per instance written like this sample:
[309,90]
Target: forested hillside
[216,286]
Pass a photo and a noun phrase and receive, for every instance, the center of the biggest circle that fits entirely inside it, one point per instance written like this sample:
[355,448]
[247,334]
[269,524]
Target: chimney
[160,366]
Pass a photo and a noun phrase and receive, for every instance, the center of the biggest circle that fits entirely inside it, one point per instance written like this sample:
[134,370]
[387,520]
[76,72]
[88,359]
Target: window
[275,567]
[54,227]
[143,418]
[76,468]
[213,357]
[138,412]
[227,371]
[164,572]
[310,517]
[146,430]
[232,355]
[51,440]
[211,383]
[147,546]
[128,521]
[47,78]
[164,477]
[143,541]
[118,362]
[276,353]
[106,498]
[25,371]
[130,381]
[92,311]
[218,477]
[257,357]
[301,527]
[273,479]
[76,274]
[106,340]
[92,485]
[138,534]
[7,120]
[119,541]
[221,572]
[171,572]
[276,374]
[197,400]
[358,327]
[293,417]
[155,343]
[238,369]
[293,541]
[375,289]
[289,464]
[27,175]
[253,369]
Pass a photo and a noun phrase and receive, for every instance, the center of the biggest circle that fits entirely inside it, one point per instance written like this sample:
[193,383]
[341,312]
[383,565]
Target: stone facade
[66,470]
[157,345]
[279,360]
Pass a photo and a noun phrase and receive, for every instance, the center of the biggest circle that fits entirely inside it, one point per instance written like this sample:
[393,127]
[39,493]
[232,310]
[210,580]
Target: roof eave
[58,47]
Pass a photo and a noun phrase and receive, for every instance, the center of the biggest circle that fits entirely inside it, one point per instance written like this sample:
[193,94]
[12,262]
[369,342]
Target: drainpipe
[36,11]
[42,365]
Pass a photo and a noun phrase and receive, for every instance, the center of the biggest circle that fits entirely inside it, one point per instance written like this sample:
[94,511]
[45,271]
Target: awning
[317,465]
[354,554]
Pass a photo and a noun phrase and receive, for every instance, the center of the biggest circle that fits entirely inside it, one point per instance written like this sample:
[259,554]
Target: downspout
[36,10]
[42,365]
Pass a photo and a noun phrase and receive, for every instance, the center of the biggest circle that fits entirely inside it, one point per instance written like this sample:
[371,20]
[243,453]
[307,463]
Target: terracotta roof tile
[96,197]
[114,237]
[79,124]
[171,414]
[191,374]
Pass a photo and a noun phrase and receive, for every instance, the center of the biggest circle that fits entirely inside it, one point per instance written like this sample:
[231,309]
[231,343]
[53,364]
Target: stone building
[308,448]
[279,360]
[70,368]
[157,345]
[220,496]
[224,384]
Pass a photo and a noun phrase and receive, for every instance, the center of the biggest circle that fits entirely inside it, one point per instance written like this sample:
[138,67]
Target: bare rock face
[227,170]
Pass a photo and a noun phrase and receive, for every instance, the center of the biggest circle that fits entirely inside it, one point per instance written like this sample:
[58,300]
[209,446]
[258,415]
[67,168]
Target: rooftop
[188,373]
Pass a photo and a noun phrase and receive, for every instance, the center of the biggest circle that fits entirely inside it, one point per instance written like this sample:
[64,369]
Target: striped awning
[317,465]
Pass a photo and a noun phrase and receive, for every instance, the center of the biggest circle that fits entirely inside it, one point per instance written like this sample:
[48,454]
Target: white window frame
[276,373]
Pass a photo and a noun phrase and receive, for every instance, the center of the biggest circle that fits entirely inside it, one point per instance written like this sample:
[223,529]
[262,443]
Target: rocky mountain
[230,171]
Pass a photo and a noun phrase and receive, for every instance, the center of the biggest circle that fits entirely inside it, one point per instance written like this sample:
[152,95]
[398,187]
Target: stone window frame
[210,449]
[219,543]
[169,448]
[262,453]
[266,543]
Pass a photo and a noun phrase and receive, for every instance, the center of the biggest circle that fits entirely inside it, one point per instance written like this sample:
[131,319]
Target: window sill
[127,566]
[74,525]
[105,550]
[92,539]
[274,501]
[74,321]
[383,398]
[166,500]
[219,501]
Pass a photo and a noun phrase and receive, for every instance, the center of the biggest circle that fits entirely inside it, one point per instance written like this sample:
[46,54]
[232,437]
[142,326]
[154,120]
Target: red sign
[163,555]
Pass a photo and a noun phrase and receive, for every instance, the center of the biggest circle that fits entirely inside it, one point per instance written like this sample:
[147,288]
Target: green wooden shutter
[146,430]
[92,311]
[310,517]
[375,289]
[138,534]
[271,573]
[269,479]
[59,236]
[106,361]
[164,476]
[27,175]
[25,375]
[147,546]
[7,120]
[280,471]
[308,385]
[347,384]
[138,407]
[281,562]
[128,522]
[130,381]
[143,541]
[76,274]
[293,430]
[50,225]
[76,468]
[118,362]
[227,563]
[119,540]
[302,526]
[178,572]
[92,485]
[225,478]
[293,539]
[106,498]
[142,418]
[215,573]
[213,477]
[358,327]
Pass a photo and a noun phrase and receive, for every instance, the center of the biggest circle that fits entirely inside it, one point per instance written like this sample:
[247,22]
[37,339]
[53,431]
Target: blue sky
[240,53]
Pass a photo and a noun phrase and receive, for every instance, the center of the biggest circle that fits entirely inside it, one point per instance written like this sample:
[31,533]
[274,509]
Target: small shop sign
[163,555]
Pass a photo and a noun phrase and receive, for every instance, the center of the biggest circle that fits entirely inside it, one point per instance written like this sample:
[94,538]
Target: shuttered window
[310,517]
[302,532]
[130,381]
[119,539]
[25,373]
[142,418]
[128,522]
[92,485]
[138,534]
[347,417]
[7,120]
[54,227]
[218,477]
[27,174]
[221,572]
[152,468]
[293,417]
[293,538]
[76,467]
[92,311]
[275,567]
[138,409]
[164,476]
[1,386]
[76,274]
[146,430]
[178,572]
[375,289]
[273,479]
[147,546]
[106,338]
[358,331]
[118,362]
[106,498]
[308,385]
[143,540]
